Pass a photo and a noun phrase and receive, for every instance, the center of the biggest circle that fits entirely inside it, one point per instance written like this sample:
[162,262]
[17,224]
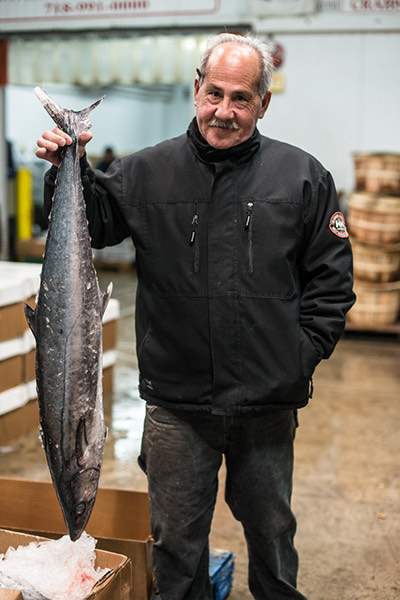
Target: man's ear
[264,105]
[196,87]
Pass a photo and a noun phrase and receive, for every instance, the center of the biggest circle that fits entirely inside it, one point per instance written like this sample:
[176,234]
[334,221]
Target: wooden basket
[377,172]
[376,263]
[377,304]
[374,219]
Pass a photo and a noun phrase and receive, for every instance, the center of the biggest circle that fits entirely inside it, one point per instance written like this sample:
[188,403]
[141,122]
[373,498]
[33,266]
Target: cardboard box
[109,335]
[11,372]
[10,595]
[120,522]
[12,321]
[24,419]
[32,248]
[19,422]
[29,366]
[32,303]
[108,376]
[117,585]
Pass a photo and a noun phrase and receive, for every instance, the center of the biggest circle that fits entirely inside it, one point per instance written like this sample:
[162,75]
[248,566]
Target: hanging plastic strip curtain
[93,61]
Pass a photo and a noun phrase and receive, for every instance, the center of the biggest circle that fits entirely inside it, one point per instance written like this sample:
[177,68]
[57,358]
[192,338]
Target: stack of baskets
[374,223]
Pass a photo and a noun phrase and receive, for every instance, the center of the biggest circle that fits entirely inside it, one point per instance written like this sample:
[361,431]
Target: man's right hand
[51,142]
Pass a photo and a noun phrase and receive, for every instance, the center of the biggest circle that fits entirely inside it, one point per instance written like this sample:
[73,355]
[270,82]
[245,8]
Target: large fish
[67,325]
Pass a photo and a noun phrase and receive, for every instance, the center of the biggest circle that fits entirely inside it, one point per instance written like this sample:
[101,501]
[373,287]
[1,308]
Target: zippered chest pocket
[176,234]
[271,230]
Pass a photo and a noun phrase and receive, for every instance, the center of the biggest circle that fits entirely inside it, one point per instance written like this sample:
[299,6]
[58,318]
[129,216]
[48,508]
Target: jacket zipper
[248,226]
[194,239]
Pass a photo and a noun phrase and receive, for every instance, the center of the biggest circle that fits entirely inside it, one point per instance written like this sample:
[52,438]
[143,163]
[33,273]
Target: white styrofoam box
[17,396]
[10,348]
[21,394]
[112,311]
[123,252]
[18,281]
[109,358]
[14,398]
[26,343]
[17,346]
[31,391]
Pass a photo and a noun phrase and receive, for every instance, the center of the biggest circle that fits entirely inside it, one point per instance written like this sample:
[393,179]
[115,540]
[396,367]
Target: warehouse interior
[335,94]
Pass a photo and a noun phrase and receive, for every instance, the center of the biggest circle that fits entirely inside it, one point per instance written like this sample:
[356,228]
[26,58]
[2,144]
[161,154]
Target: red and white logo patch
[337,225]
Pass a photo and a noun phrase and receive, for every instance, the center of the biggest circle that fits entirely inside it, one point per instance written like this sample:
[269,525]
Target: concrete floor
[347,477]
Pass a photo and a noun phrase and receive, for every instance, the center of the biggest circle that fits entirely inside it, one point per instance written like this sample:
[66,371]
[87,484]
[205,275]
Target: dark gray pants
[181,454]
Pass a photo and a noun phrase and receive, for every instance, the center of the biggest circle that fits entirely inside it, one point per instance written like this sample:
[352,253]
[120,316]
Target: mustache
[224,124]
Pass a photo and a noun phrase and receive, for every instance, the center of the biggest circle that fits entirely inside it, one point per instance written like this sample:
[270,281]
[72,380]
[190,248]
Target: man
[244,279]
[106,160]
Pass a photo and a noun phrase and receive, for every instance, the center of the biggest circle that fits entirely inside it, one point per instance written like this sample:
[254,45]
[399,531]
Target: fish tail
[84,123]
[71,121]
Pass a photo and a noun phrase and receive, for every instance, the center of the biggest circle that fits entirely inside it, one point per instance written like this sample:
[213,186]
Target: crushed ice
[55,569]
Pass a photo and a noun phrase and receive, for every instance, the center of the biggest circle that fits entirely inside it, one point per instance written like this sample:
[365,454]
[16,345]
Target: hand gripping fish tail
[67,325]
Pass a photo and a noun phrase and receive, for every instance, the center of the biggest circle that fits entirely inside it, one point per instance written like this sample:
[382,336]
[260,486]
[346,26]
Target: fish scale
[67,325]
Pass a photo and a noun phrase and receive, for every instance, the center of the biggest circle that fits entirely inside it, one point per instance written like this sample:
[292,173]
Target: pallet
[393,329]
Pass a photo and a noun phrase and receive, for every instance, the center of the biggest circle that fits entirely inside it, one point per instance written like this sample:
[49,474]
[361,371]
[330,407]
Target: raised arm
[102,191]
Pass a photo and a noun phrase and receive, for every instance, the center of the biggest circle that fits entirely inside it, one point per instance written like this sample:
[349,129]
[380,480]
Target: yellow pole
[24,203]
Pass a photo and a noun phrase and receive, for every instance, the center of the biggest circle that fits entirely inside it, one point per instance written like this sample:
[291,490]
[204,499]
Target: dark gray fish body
[67,324]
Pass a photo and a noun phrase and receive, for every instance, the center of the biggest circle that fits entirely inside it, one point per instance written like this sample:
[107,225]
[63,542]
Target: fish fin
[81,441]
[85,112]
[55,111]
[82,116]
[70,121]
[106,298]
[30,316]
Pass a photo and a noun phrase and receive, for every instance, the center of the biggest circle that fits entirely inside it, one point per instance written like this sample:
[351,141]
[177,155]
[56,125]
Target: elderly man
[244,279]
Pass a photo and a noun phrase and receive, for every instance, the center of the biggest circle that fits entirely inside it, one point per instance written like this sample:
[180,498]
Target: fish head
[79,501]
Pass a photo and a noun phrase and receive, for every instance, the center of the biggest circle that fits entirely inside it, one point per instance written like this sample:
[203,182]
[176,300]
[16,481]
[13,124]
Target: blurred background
[336,94]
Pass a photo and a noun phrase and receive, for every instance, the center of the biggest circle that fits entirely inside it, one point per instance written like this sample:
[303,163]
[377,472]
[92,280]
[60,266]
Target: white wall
[342,95]
[128,119]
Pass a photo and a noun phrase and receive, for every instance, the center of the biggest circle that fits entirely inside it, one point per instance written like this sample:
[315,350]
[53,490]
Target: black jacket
[242,286]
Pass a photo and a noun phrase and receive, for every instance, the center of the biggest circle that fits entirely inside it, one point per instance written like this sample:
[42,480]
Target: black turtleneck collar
[237,154]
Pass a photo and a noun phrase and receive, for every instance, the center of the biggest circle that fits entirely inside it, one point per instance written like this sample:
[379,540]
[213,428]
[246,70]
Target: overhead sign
[360,6]
[76,9]
[275,8]
[368,6]
[27,14]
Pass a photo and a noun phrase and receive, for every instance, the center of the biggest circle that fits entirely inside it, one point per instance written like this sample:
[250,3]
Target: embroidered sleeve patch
[337,225]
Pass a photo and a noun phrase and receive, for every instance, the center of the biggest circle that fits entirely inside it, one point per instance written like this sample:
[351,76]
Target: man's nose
[224,110]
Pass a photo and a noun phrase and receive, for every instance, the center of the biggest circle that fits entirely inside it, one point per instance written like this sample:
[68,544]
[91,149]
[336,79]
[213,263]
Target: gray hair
[263,50]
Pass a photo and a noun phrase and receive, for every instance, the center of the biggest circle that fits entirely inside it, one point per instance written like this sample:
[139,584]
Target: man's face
[227,101]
